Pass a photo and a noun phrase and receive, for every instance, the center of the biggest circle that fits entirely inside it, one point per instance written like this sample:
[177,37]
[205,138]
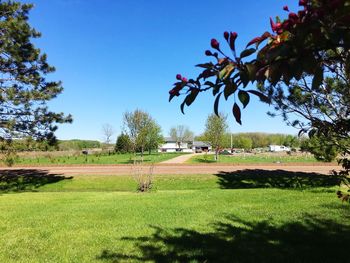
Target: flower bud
[303,2]
[215,44]
[226,35]
[233,37]
[208,53]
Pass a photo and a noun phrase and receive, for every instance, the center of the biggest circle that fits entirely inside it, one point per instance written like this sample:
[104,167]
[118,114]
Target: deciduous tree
[154,136]
[243,142]
[301,66]
[181,134]
[215,129]
[142,130]
[108,132]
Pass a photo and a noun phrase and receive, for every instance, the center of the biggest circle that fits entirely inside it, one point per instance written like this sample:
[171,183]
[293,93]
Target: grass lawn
[95,159]
[186,218]
[239,159]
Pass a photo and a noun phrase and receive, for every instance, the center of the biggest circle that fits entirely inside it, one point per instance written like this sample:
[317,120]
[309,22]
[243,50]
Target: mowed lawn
[94,159]
[228,217]
[257,158]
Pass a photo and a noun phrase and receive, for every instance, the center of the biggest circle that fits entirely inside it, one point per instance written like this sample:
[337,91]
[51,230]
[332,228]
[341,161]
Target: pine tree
[24,90]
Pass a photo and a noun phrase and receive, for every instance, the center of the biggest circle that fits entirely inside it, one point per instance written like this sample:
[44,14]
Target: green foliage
[215,129]
[289,53]
[143,130]
[321,148]
[28,144]
[242,142]
[9,158]
[77,145]
[259,139]
[302,67]
[24,88]
[97,158]
[255,159]
[154,137]
[123,144]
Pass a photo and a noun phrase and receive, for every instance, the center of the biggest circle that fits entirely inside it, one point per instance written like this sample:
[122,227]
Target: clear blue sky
[115,55]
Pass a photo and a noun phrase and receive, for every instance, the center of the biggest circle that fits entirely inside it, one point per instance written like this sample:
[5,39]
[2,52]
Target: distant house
[170,145]
[278,148]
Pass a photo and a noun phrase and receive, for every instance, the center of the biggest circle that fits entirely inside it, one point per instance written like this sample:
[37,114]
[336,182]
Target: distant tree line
[27,144]
[149,138]
[253,140]
[77,145]
[142,133]
[30,144]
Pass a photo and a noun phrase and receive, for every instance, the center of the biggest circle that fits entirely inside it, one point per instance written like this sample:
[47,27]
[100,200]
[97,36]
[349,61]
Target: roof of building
[200,144]
[195,143]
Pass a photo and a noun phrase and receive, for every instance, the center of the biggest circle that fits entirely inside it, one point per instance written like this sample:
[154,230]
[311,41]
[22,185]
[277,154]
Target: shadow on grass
[26,179]
[202,160]
[258,178]
[236,240]
[132,161]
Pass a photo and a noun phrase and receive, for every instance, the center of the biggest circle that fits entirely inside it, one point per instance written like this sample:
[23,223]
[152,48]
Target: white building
[278,148]
[170,145]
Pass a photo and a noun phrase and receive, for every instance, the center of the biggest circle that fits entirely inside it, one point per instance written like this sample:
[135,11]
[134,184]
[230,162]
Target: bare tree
[180,134]
[108,132]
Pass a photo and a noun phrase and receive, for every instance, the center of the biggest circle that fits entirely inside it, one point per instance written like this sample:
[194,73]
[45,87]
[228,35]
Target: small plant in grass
[10,158]
[344,190]
[205,156]
[142,175]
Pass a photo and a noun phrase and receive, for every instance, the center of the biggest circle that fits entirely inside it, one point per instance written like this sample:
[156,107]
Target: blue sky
[114,55]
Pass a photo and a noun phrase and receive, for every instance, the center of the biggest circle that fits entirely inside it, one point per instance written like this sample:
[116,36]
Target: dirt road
[177,168]
[181,158]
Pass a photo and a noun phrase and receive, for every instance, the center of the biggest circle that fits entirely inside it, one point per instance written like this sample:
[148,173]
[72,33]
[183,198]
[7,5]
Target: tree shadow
[236,240]
[202,160]
[132,161]
[258,178]
[18,180]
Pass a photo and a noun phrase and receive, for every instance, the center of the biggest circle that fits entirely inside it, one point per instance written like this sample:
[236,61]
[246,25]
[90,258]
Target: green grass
[247,216]
[95,159]
[239,159]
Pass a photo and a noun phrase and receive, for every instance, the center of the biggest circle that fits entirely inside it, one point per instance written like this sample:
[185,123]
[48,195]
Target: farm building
[170,145]
[199,146]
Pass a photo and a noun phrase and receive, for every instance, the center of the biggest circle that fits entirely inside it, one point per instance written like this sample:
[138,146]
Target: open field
[226,217]
[255,158]
[53,158]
